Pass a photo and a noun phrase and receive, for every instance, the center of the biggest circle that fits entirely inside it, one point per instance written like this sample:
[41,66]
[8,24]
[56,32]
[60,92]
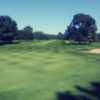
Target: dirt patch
[94,51]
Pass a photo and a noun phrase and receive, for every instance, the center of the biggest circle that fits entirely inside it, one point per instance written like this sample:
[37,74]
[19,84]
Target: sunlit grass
[37,70]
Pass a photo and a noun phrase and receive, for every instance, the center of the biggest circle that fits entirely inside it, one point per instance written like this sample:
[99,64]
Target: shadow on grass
[8,95]
[92,93]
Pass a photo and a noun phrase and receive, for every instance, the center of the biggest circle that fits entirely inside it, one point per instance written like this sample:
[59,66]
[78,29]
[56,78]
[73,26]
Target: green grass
[38,70]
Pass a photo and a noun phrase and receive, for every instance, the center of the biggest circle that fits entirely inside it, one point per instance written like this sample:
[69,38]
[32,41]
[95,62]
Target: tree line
[82,29]
[9,32]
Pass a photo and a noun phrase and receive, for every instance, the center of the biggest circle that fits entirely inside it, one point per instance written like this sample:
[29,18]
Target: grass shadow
[8,95]
[92,93]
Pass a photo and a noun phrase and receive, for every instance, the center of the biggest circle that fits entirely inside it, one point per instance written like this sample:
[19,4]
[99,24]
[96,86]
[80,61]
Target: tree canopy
[8,27]
[25,34]
[7,24]
[82,28]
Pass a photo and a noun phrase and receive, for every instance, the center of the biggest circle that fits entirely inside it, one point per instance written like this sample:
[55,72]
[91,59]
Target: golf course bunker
[95,51]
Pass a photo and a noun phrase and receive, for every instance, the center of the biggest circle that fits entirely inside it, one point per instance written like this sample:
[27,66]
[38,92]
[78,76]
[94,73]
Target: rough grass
[40,69]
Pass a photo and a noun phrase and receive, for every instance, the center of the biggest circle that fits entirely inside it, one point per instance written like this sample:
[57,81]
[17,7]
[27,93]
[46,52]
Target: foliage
[25,34]
[98,37]
[39,35]
[8,28]
[82,28]
[60,36]
[28,29]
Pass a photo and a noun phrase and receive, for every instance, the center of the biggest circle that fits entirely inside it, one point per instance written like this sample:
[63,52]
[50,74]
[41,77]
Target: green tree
[25,34]
[82,29]
[8,28]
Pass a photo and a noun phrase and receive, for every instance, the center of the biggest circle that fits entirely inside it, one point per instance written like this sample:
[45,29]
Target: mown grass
[38,70]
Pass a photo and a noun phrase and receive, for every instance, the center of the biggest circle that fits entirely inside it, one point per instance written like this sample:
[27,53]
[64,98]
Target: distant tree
[40,35]
[28,29]
[82,29]
[25,34]
[8,28]
[98,37]
[60,36]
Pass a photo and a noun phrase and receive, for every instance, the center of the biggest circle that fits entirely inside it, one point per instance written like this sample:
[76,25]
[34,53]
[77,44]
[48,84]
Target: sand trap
[95,51]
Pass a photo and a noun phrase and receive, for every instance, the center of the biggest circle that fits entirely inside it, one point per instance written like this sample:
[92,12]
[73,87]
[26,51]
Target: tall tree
[8,28]
[82,28]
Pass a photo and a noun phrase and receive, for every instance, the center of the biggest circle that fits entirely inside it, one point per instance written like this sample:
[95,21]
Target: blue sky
[50,16]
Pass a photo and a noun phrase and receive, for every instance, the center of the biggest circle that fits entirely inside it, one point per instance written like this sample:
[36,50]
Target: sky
[49,16]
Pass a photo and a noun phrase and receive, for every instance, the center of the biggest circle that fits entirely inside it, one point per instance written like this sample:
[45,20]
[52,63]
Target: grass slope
[38,70]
